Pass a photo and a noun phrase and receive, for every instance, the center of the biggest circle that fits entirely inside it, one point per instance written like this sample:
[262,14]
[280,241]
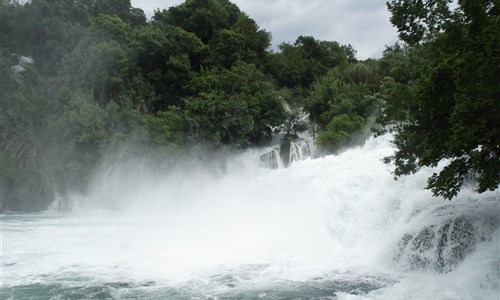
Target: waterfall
[335,227]
[271,158]
[293,141]
[69,203]
[288,152]
[301,149]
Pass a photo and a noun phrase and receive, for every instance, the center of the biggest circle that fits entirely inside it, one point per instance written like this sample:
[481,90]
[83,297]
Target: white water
[300,149]
[327,227]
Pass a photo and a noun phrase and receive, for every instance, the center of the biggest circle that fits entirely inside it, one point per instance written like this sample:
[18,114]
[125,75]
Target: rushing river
[337,227]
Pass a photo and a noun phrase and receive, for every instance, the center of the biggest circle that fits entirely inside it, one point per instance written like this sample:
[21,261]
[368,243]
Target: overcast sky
[362,23]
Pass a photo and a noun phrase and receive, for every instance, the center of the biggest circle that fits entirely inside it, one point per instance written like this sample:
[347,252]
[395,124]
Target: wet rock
[270,159]
[456,239]
[437,247]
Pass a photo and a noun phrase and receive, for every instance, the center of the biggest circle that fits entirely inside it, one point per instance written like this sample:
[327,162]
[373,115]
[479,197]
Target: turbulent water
[337,227]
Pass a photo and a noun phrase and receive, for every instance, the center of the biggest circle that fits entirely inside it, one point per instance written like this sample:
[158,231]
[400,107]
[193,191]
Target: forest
[83,80]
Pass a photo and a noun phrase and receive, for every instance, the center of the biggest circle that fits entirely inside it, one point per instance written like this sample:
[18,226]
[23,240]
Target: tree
[167,58]
[301,63]
[120,8]
[167,130]
[340,131]
[341,91]
[341,103]
[256,40]
[42,29]
[228,47]
[201,17]
[219,120]
[24,106]
[101,60]
[455,115]
[213,110]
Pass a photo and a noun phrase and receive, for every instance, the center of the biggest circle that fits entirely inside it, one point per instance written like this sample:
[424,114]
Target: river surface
[337,227]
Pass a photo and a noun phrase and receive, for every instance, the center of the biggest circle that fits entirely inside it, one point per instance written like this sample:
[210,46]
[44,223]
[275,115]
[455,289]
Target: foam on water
[323,228]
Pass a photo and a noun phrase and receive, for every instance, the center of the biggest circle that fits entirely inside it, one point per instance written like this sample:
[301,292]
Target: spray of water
[337,226]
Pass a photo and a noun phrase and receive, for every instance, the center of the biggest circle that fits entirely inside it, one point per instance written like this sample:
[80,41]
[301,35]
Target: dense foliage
[454,109]
[82,80]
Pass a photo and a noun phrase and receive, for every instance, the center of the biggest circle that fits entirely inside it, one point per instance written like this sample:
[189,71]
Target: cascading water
[292,142]
[337,227]
[288,152]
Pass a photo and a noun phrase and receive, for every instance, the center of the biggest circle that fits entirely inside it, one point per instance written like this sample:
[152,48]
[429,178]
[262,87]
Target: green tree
[306,60]
[101,61]
[167,57]
[168,130]
[242,85]
[228,47]
[265,106]
[25,108]
[397,62]
[455,116]
[341,130]
[341,91]
[120,8]
[84,126]
[395,100]
[257,41]
[218,119]
[341,103]
[201,17]
[42,29]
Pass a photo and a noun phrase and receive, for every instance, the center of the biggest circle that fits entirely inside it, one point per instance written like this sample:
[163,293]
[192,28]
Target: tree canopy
[455,97]
[83,79]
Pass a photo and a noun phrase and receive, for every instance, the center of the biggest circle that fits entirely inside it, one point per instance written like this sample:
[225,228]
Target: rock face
[437,247]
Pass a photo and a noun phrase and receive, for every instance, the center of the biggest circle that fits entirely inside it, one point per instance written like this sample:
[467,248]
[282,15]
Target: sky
[362,23]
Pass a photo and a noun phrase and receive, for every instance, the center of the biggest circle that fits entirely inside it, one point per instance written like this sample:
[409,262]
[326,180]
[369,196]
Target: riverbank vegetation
[82,79]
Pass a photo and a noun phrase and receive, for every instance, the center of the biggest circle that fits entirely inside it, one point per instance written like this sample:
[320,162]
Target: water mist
[337,227]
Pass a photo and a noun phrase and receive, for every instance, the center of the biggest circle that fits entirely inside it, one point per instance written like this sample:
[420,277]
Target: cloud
[362,23]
